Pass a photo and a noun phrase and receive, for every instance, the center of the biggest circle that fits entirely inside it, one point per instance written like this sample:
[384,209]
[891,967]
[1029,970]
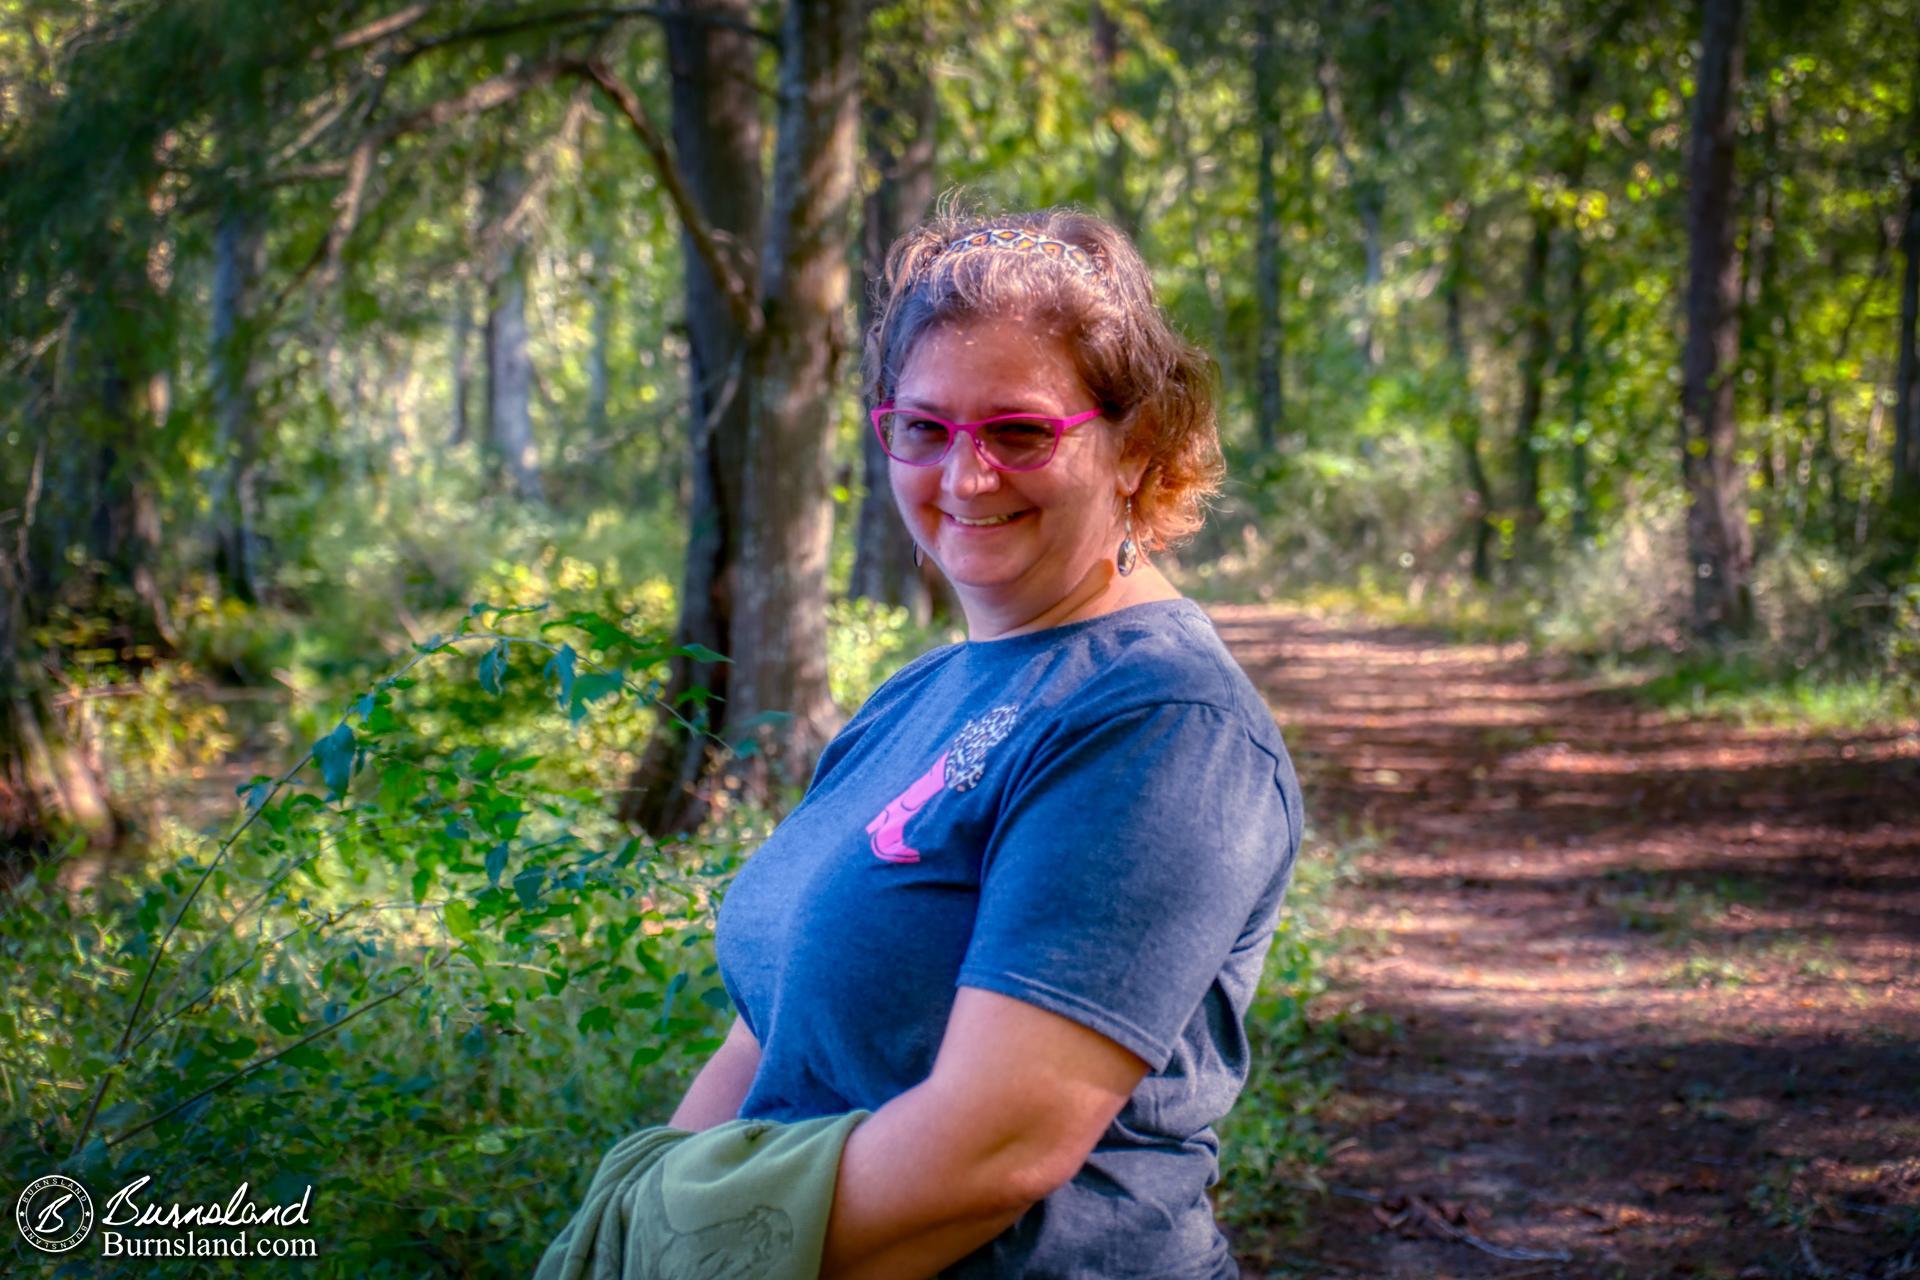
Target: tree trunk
[779,630]
[1719,543]
[1906,414]
[901,124]
[1112,174]
[461,341]
[1465,418]
[233,481]
[1269,414]
[717,138]
[598,289]
[1537,346]
[1578,370]
[510,382]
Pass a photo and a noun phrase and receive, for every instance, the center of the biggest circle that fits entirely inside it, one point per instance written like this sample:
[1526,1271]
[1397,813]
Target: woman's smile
[985,521]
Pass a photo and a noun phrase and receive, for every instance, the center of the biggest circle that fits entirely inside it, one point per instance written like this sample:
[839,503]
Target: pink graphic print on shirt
[958,768]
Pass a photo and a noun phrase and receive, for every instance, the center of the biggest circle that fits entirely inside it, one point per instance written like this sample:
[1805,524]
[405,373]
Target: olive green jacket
[744,1200]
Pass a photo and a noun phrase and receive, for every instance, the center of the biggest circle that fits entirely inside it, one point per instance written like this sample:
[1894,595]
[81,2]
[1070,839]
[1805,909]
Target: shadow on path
[1657,981]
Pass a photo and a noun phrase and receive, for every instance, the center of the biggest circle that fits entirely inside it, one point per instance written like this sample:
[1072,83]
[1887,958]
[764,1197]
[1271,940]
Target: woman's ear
[1132,471]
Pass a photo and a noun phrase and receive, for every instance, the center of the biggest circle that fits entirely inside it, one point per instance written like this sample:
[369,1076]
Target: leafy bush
[423,974]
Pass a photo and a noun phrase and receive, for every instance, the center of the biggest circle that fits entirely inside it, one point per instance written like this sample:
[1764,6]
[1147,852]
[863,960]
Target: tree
[900,119]
[779,628]
[1906,413]
[1719,542]
[717,139]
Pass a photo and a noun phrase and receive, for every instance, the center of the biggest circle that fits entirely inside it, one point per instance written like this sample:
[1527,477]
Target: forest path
[1657,982]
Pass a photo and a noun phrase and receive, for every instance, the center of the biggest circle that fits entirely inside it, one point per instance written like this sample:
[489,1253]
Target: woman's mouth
[985,522]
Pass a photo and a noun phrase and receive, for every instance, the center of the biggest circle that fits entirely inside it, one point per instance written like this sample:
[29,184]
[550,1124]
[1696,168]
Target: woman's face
[1065,518]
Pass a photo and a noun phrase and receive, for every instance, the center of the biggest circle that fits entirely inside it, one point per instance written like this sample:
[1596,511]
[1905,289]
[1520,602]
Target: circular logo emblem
[54,1213]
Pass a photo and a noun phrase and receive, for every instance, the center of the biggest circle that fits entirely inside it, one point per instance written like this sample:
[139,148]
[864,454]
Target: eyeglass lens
[1017,444]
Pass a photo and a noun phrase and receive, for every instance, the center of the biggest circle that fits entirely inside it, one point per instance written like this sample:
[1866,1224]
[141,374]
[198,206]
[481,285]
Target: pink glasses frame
[972,429]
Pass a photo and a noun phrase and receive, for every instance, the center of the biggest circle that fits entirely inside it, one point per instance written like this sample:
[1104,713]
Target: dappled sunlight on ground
[1658,980]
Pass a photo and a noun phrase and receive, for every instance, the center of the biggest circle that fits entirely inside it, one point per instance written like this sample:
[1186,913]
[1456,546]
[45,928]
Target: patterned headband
[1019,241]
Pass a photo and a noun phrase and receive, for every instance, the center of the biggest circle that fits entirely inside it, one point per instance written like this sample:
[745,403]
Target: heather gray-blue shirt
[1099,819]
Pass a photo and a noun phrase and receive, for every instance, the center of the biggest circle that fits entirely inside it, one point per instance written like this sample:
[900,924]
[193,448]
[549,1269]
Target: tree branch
[378,29]
[732,271]
[571,17]
[489,94]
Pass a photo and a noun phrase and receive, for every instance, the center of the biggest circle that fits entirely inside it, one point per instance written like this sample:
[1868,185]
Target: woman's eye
[1015,432]
[922,426]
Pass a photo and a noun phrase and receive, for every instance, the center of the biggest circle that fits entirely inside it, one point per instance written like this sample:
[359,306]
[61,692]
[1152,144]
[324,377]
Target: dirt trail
[1657,983]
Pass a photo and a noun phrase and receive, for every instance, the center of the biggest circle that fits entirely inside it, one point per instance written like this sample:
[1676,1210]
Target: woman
[1024,904]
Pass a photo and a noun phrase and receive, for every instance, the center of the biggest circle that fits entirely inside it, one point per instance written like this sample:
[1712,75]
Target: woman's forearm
[716,1093]
[919,1189]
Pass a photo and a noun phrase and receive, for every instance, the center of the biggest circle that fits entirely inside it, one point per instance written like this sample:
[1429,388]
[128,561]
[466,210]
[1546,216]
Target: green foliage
[1271,1143]
[868,641]
[423,973]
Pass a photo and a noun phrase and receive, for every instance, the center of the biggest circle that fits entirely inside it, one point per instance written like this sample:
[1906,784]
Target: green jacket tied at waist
[744,1200]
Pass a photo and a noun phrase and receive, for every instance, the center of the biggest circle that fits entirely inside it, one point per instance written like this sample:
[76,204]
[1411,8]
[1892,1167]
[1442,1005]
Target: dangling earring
[919,557]
[1128,556]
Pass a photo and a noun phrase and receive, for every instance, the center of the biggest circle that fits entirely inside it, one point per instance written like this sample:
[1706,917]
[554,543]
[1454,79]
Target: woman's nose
[964,472]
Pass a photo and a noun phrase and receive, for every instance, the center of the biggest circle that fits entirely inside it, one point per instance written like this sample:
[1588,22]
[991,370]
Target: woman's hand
[716,1093]
[1017,1098]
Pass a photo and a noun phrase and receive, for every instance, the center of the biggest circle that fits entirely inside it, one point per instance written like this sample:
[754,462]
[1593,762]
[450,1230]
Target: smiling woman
[1021,910]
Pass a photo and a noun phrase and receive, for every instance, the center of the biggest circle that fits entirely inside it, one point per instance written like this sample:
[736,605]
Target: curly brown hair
[1156,388]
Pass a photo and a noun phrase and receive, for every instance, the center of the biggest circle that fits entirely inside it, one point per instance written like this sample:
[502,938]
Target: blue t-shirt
[1099,819]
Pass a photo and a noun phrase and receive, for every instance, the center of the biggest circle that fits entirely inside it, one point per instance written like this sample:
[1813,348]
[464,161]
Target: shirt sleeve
[1129,860]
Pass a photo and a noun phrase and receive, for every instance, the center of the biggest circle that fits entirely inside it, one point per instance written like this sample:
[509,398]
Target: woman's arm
[1017,1098]
[716,1093]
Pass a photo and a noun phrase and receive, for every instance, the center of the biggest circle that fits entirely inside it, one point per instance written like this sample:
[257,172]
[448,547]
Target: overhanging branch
[723,258]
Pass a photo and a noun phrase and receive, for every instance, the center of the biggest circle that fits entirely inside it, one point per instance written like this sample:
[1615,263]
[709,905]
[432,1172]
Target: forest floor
[1654,982]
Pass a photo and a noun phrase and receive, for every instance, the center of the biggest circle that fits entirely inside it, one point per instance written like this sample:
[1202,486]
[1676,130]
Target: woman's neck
[1102,590]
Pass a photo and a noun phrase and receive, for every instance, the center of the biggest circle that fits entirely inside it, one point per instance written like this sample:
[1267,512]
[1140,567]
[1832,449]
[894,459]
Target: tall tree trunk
[779,629]
[1578,371]
[1719,543]
[510,381]
[717,134]
[1269,415]
[460,340]
[1906,419]
[1464,420]
[900,117]
[599,289]
[1112,174]
[1537,346]
[233,479]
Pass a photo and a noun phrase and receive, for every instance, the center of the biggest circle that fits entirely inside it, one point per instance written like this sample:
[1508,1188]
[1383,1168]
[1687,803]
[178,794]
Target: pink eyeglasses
[1008,442]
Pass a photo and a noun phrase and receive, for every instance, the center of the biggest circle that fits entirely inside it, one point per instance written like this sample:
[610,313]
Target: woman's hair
[1157,388]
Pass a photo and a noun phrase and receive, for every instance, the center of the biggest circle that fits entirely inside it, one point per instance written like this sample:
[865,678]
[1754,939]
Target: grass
[1756,689]
[1759,684]
[1675,911]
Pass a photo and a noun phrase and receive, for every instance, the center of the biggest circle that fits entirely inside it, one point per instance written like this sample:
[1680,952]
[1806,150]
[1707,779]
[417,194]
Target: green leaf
[493,667]
[559,669]
[307,1058]
[459,918]
[282,1018]
[334,755]
[528,885]
[716,998]
[598,1018]
[496,862]
[700,653]
[591,688]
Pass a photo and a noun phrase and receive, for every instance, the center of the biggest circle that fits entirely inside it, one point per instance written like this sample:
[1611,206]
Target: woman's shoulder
[1168,653]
